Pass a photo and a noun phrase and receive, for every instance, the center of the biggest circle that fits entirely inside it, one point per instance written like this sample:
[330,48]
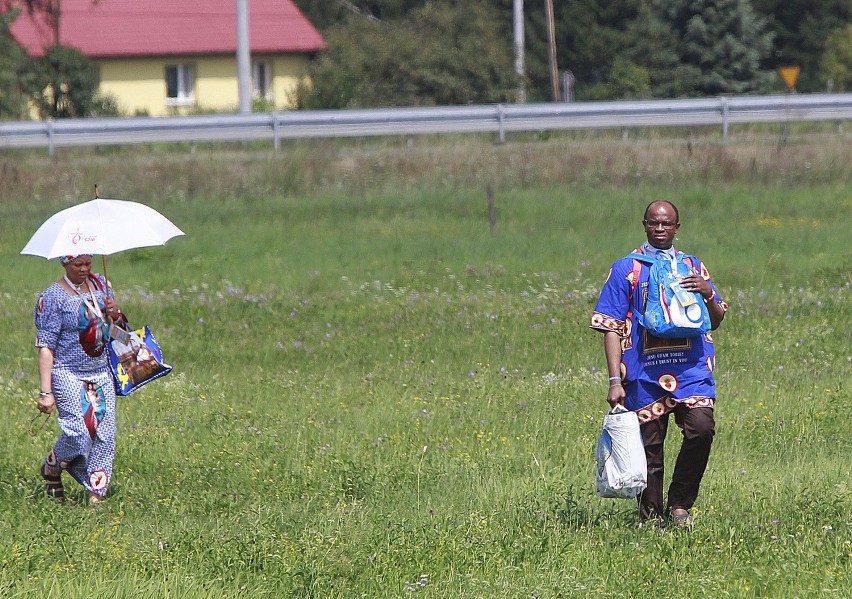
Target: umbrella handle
[106,276]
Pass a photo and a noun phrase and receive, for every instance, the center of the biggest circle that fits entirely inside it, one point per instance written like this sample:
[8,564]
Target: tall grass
[375,396]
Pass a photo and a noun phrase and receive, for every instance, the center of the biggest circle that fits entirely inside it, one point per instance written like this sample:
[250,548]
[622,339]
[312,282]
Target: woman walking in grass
[71,318]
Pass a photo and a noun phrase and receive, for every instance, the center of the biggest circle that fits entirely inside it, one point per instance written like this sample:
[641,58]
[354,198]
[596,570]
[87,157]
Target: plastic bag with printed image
[621,469]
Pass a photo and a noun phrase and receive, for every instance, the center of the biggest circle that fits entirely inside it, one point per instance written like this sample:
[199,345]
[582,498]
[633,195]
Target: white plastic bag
[620,456]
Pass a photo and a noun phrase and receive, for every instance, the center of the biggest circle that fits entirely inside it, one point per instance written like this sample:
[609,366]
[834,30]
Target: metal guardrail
[499,119]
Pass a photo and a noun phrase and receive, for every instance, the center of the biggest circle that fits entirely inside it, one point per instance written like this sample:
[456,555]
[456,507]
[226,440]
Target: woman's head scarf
[66,260]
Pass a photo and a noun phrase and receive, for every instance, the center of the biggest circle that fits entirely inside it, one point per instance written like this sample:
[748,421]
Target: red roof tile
[124,28]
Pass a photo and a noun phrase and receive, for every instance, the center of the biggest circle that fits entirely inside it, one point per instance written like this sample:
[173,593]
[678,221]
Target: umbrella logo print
[77,237]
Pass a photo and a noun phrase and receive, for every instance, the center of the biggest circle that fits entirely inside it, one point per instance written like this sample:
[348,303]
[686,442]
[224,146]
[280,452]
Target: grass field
[375,395]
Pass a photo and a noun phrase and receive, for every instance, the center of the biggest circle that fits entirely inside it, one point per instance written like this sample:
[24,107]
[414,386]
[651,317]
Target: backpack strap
[688,261]
[638,259]
[634,281]
[641,257]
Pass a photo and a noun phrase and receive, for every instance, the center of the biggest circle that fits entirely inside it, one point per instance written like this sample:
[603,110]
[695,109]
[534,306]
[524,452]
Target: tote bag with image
[135,360]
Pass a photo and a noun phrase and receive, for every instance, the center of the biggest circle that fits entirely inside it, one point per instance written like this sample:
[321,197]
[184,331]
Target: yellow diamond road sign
[790,75]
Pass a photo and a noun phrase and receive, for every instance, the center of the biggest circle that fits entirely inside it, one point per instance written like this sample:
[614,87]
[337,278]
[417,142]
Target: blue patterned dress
[82,386]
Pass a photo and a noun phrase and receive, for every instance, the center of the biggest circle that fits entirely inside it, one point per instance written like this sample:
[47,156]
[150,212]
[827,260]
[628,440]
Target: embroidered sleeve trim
[605,323]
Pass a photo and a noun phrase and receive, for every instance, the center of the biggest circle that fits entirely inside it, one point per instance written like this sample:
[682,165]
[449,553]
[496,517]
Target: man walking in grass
[657,377]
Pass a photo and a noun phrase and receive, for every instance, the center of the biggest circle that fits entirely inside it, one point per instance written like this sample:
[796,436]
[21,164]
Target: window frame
[184,84]
[261,69]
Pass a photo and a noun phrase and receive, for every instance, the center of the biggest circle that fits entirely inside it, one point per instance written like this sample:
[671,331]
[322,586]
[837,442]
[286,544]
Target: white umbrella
[100,227]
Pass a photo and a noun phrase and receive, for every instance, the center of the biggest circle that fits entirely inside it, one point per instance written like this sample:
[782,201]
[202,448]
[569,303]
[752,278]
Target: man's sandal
[680,517]
[53,484]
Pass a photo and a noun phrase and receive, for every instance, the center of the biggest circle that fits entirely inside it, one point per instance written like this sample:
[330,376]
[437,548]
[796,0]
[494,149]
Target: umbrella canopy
[100,227]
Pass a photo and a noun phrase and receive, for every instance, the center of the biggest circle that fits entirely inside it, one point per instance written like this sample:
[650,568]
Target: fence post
[51,150]
[276,139]
[724,117]
[500,119]
[492,208]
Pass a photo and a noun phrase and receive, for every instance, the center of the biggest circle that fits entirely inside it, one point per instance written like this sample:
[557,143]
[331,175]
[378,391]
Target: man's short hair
[648,207]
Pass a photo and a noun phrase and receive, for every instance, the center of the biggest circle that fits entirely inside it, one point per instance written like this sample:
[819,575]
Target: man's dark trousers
[698,428]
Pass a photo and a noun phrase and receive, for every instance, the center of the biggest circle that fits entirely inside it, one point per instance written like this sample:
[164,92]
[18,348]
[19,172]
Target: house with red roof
[165,57]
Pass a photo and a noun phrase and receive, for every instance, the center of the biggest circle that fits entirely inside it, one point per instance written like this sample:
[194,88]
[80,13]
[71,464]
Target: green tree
[836,62]
[615,48]
[589,40]
[650,43]
[801,30]
[63,83]
[626,80]
[324,15]
[12,103]
[721,46]
[443,53]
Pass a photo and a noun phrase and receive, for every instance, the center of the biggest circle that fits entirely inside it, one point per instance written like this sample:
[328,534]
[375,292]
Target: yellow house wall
[139,85]
[287,73]
[216,84]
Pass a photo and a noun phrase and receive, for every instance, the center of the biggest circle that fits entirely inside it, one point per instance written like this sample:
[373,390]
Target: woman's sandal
[53,484]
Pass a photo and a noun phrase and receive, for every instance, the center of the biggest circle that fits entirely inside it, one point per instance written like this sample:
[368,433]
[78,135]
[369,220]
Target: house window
[179,82]
[260,81]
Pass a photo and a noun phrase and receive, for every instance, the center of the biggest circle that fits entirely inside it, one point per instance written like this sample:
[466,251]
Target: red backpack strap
[633,277]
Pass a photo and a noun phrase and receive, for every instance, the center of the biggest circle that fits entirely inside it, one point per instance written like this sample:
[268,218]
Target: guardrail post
[500,119]
[724,117]
[51,149]
[276,139]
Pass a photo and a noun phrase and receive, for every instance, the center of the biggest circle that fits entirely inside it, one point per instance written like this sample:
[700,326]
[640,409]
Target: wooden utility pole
[551,49]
